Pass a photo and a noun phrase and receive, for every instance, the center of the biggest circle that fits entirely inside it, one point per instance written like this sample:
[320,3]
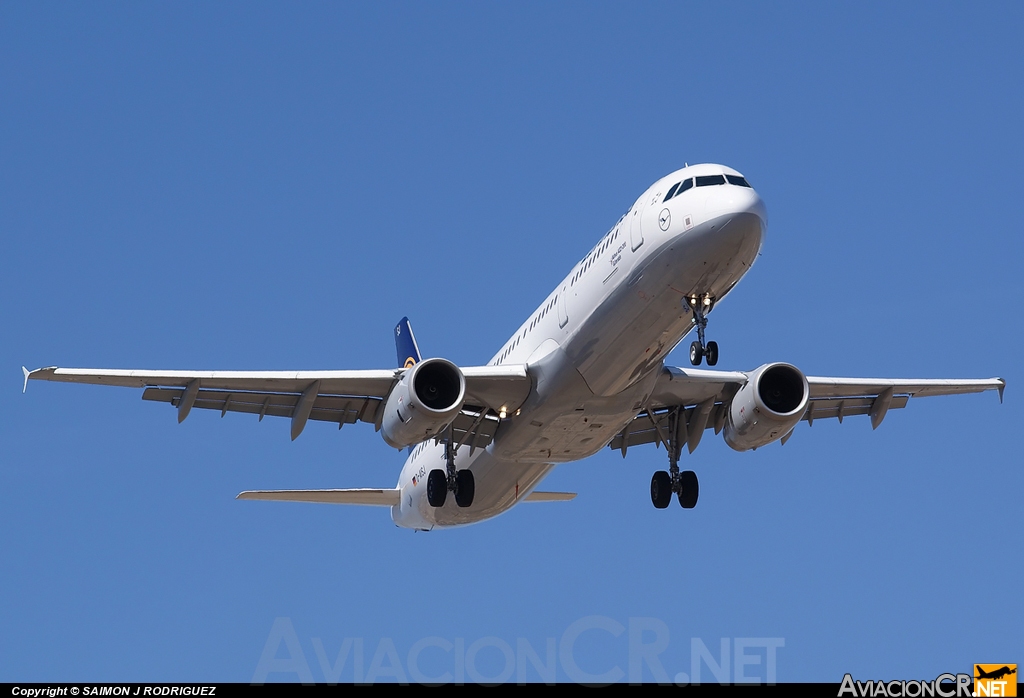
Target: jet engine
[426,400]
[767,407]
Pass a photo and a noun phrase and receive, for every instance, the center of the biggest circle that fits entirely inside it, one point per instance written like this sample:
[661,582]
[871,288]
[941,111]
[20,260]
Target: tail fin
[405,343]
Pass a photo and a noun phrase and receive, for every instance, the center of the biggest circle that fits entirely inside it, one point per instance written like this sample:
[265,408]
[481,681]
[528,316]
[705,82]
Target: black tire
[465,488]
[689,490]
[661,489]
[437,488]
[696,353]
[712,353]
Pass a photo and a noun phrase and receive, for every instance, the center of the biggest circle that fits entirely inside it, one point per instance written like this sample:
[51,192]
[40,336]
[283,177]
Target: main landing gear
[441,482]
[683,484]
[701,306]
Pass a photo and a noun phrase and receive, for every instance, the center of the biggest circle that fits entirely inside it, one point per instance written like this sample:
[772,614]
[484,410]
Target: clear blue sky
[260,186]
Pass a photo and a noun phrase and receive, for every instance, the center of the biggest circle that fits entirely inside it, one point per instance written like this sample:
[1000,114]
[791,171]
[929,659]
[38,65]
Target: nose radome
[736,199]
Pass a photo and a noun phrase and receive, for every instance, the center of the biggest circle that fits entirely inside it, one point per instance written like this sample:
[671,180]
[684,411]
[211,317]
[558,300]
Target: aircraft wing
[342,397]
[704,394]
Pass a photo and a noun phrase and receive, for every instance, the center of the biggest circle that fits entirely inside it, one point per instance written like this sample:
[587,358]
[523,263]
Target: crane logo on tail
[405,343]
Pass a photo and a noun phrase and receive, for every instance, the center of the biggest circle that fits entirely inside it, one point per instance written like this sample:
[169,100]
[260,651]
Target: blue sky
[240,186]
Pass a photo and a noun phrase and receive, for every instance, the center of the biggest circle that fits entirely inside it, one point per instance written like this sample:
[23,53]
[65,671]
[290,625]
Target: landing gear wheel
[697,353]
[701,306]
[661,489]
[711,352]
[689,489]
[465,487]
[437,488]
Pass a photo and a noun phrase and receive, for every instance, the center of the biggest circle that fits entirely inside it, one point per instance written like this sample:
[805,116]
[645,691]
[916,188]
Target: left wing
[702,396]
[343,397]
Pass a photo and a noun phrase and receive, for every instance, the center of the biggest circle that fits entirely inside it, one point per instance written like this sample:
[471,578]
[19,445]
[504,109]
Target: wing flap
[840,408]
[365,497]
[340,409]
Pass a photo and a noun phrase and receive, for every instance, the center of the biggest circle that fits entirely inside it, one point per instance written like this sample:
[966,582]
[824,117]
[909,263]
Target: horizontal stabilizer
[367,497]
[550,496]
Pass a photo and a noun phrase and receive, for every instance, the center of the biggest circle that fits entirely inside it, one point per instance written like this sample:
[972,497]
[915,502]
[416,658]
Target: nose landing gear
[683,484]
[701,306]
[441,482]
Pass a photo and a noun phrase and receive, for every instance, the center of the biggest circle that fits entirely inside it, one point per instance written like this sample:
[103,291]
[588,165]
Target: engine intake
[767,407]
[426,400]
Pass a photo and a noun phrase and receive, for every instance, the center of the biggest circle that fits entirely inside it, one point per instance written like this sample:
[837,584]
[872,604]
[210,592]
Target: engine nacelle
[425,401]
[767,407]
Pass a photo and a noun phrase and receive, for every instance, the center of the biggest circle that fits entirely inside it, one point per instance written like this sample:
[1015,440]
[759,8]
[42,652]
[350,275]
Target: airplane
[584,372]
[996,674]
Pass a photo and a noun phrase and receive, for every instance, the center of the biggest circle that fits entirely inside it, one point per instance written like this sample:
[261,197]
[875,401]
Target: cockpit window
[738,181]
[710,180]
[671,192]
[678,189]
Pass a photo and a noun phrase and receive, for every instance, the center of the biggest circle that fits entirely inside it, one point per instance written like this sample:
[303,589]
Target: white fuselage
[594,347]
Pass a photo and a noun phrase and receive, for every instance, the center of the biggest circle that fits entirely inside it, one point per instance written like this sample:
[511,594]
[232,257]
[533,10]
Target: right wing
[342,397]
[703,396]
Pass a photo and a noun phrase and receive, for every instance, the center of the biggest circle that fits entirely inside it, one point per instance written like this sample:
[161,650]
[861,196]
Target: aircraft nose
[736,199]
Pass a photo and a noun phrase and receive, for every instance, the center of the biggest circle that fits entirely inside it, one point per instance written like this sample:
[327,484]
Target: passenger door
[636,234]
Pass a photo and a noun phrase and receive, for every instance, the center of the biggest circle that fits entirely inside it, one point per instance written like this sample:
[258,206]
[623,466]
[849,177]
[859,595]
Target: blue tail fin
[405,343]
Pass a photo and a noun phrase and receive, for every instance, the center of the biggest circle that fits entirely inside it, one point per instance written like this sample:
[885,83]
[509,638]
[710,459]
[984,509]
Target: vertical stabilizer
[405,343]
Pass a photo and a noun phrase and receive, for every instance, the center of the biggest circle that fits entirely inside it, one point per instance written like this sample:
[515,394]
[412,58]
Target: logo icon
[995,680]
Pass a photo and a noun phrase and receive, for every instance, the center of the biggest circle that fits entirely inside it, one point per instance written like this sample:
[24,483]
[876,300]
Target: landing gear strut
[441,482]
[683,484]
[701,306]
